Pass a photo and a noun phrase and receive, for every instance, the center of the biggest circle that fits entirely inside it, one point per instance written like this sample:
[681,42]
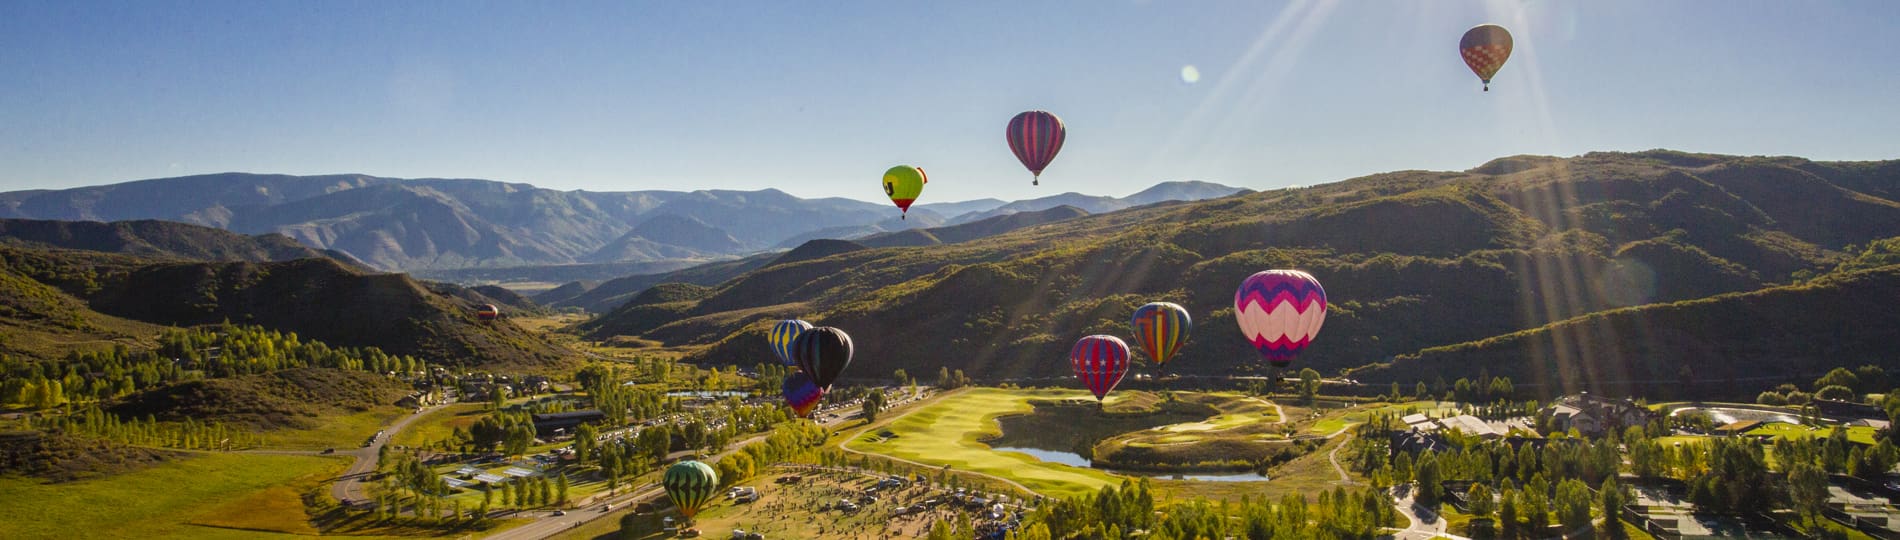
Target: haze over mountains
[448,224]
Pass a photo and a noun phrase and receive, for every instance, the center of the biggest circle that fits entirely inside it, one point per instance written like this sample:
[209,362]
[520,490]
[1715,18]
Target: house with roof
[1591,414]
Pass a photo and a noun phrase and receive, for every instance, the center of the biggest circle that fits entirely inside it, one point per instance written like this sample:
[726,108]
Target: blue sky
[818,98]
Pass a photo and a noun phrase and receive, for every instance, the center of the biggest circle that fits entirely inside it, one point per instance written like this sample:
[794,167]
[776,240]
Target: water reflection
[1071,459]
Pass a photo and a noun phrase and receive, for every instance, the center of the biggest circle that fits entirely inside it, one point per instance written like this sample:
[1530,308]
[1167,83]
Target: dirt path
[1334,457]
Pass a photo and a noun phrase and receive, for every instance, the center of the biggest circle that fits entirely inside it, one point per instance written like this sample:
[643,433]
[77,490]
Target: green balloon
[904,183]
[690,484]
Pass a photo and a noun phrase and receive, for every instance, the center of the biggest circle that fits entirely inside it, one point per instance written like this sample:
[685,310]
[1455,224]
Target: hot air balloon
[1161,328]
[822,353]
[781,338]
[690,484]
[1100,361]
[1485,48]
[488,312]
[1035,137]
[1280,311]
[903,183]
[801,394]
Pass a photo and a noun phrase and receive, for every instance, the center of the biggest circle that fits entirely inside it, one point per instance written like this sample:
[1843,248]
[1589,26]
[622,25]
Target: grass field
[347,431]
[1859,434]
[946,433]
[1237,412]
[203,496]
[438,424]
[793,512]
[1336,420]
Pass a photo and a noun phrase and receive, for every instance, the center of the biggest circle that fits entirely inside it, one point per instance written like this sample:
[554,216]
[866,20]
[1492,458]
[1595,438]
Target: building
[550,423]
[1593,415]
[1470,425]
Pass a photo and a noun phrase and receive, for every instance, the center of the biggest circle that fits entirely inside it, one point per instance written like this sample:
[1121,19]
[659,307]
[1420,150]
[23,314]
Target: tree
[1419,391]
[1573,504]
[560,489]
[1807,487]
[1840,376]
[943,378]
[1429,487]
[1309,385]
[1479,499]
[873,404]
[1613,500]
[1507,513]
[1837,392]
[903,379]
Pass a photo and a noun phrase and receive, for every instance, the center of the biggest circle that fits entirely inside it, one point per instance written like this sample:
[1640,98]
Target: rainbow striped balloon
[782,336]
[1035,137]
[1100,361]
[801,394]
[1161,328]
[1280,311]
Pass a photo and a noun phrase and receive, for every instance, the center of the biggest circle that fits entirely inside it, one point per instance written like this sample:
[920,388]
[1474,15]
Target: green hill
[61,298]
[1411,260]
[289,399]
[1742,342]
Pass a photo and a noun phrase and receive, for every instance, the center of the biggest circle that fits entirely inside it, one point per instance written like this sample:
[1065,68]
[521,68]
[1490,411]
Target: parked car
[329,450]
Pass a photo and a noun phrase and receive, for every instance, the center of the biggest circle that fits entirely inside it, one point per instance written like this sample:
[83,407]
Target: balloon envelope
[1036,137]
[781,338]
[1485,47]
[1280,311]
[1100,361]
[822,353]
[1161,328]
[801,394]
[690,484]
[904,183]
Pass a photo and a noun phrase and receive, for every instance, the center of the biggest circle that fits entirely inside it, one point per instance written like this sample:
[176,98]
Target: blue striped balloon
[782,336]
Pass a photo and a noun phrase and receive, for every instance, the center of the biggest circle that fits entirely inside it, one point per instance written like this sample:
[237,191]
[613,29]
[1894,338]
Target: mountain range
[1427,272]
[444,225]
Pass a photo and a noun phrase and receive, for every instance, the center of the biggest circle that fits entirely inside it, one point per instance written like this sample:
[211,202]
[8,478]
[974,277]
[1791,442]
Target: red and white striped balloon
[1100,361]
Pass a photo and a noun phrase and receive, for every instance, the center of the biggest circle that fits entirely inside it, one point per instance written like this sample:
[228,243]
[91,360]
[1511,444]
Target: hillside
[611,293]
[59,299]
[158,239]
[289,399]
[1742,342]
[1411,260]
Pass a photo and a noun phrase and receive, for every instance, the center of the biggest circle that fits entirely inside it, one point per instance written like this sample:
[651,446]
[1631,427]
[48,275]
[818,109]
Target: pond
[1726,415]
[1073,459]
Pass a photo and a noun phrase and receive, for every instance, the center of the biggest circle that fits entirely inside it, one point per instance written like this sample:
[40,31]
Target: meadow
[948,433]
[211,495]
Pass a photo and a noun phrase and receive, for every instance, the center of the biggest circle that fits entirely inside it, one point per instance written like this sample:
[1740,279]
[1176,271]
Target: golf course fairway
[947,433]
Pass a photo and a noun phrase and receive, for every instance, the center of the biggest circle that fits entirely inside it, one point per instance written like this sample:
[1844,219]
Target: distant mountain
[669,236]
[961,207]
[972,230]
[158,239]
[1183,190]
[399,224]
[605,296]
[1412,261]
[1096,204]
[443,225]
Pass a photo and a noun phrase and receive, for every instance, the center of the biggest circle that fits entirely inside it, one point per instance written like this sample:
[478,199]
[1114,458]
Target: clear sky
[818,98]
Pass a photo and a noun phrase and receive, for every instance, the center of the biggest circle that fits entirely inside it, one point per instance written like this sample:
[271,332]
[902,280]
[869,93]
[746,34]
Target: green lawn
[202,496]
[946,433]
[348,431]
[438,424]
[1859,434]
[1240,412]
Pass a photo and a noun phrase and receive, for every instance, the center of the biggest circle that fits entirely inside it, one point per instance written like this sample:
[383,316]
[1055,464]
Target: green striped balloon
[690,484]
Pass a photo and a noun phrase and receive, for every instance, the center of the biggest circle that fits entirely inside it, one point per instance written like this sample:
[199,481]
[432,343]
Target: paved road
[1419,529]
[350,486]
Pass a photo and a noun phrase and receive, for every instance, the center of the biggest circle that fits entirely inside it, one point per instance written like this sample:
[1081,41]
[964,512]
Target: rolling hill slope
[1412,260]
